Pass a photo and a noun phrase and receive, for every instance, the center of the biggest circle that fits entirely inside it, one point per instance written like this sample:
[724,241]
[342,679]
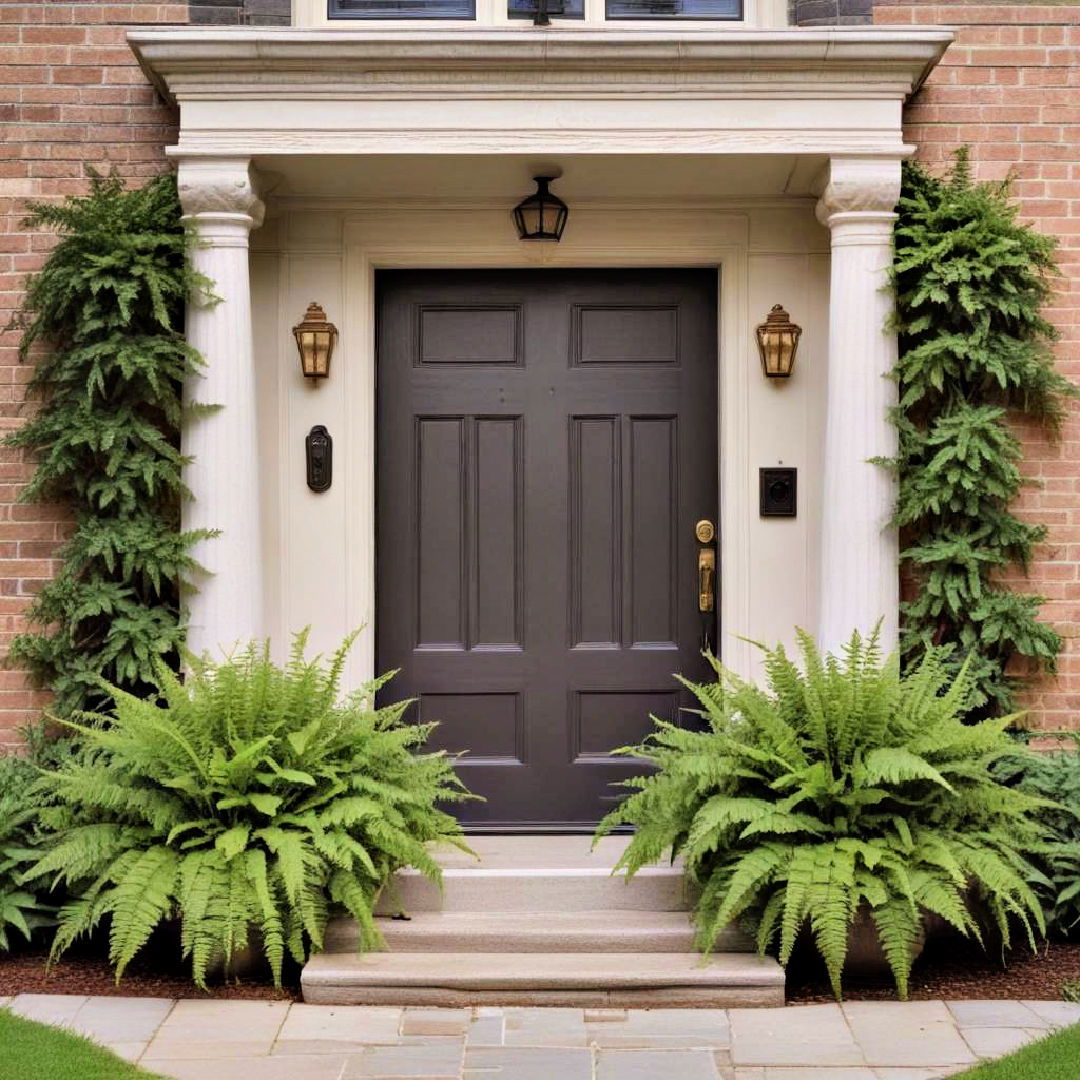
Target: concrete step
[535,932]
[482,888]
[618,980]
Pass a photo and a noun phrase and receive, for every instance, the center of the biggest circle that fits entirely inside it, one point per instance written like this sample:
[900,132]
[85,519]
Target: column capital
[868,187]
[213,186]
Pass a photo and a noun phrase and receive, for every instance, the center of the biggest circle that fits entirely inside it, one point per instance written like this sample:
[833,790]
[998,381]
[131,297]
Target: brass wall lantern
[315,338]
[778,341]
[541,215]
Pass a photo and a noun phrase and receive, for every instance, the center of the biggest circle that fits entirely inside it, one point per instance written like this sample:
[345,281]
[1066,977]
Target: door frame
[608,235]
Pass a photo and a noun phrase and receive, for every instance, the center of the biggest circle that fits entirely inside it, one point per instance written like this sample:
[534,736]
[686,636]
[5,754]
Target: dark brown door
[547,441]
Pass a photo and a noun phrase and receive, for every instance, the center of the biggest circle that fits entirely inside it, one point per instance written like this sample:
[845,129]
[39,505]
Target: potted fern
[838,794]
[245,803]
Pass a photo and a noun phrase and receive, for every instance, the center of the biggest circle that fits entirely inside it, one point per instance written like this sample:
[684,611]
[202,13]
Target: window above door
[620,14]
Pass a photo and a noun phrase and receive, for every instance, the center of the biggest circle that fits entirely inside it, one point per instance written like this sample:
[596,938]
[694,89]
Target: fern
[244,799]
[21,909]
[843,790]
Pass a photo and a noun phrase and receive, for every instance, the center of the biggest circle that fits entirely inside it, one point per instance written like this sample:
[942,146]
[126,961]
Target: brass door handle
[706,565]
[705,533]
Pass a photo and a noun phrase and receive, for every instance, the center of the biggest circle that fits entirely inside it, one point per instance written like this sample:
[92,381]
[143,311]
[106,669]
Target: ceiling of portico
[583,177]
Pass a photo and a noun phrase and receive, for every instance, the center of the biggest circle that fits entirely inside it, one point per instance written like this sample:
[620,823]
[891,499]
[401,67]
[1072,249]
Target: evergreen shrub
[970,281]
[109,305]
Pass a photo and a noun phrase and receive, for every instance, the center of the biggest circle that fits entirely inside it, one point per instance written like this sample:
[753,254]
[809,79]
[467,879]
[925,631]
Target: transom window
[731,10]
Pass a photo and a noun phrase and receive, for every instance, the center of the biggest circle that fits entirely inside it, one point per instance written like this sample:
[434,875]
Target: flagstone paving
[267,1040]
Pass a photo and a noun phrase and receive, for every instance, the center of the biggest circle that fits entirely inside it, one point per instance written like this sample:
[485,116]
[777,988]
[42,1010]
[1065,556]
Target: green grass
[1054,1058]
[31,1051]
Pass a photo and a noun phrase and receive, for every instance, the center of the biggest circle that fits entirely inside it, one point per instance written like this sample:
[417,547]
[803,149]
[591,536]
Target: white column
[220,201]
[859,573]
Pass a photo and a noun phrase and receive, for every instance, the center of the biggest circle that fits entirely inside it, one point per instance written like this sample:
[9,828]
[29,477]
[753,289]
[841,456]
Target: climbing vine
[970,282]
[109,305]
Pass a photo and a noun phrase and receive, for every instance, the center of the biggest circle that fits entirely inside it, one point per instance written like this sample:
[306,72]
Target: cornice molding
[189,64]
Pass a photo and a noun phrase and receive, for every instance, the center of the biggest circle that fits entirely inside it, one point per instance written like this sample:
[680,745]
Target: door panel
[547,440]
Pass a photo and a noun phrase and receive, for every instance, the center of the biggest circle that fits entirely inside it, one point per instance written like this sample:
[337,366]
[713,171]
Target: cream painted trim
[757,13]
[389,239]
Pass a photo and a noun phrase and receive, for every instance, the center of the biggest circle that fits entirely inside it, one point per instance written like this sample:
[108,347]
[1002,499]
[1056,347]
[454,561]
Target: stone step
[617,980]
[482,888]
[536,932]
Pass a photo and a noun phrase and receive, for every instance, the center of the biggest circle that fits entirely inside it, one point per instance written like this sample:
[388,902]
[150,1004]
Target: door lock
[705,534]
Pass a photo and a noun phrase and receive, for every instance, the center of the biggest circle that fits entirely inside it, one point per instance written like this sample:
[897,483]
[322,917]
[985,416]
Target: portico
[772,156]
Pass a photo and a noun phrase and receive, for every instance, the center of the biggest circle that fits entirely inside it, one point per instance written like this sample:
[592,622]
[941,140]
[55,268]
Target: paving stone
[1056,1013]
[544,1027]
[604,1016]
[528,1063]
[4,1002]
[995,1042]
[790,1072]
[324,1067]
[909,1033]
[430,1061]
[224,1021]
[349,1024]
[807,1035]
[435,1021]
[58,1009]
[664,1028]
[650,1064]
[129,1051]
[997,1014]
[486,1031]
[909,1074]
[751,1073]
[195,1049]
[121,1019]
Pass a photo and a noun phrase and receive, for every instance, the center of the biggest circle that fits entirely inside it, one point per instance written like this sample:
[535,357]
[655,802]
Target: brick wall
[70,95]
[1009,88]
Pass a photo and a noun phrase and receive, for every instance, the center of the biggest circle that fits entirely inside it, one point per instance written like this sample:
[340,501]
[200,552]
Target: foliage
[1070,991]
[1054,776]
[245,797]
[970,281]
[109,303]
[20,908]
[842,787]
[33,1051]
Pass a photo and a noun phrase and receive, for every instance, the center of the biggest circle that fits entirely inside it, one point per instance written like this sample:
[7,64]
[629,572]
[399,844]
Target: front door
[546,443]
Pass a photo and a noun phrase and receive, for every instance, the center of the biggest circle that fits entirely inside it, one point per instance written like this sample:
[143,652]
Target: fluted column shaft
[859,572]
[220,203]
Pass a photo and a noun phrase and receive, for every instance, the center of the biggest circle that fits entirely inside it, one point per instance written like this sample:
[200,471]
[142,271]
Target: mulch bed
[957,970]
[949,969]
[88,972]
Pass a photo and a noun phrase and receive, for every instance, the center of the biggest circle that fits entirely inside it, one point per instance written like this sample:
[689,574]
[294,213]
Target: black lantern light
[778,341]
[542,216]
[315,339]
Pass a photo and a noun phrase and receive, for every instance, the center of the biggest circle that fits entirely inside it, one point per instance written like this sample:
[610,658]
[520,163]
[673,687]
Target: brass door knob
[705,531]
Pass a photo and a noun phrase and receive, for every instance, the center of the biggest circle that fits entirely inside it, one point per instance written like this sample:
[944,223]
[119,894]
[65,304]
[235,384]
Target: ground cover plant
[108,305]
[1055,776]
[246,802]
[32,1051]
[22,910]
[1052,1058]
[970,282]
[839,787]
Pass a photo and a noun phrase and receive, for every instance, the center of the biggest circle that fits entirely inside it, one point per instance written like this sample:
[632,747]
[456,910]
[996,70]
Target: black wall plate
[778,492]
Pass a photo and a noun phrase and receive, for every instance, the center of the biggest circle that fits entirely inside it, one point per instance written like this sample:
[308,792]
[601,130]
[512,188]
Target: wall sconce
[315,338]
[541,216]
[778,341]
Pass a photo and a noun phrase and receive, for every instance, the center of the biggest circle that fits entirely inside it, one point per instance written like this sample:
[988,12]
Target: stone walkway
[260,1040]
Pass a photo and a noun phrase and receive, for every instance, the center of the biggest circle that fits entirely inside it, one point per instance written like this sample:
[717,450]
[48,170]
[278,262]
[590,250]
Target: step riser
[343,936]
[547,890]
[732,997]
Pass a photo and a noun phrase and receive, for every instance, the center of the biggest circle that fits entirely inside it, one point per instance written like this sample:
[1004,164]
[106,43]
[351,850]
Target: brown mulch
[25,972]
[957,971]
